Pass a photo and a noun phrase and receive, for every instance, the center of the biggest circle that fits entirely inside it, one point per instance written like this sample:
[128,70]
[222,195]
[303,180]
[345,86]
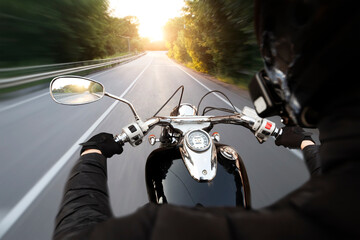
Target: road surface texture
[39,144]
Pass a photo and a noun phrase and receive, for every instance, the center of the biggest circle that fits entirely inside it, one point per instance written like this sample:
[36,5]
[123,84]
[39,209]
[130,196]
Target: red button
[268,126]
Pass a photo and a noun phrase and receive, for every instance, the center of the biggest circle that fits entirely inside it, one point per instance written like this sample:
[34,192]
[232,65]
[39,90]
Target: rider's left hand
[103,142]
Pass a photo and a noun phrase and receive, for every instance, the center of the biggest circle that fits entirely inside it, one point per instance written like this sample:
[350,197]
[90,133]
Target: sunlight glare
[152,14]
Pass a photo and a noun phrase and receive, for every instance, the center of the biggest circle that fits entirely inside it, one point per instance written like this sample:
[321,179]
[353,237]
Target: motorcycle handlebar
[121,138]
[262,128]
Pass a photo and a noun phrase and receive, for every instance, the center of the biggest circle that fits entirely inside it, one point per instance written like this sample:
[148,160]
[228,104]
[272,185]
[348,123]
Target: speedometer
[198,140]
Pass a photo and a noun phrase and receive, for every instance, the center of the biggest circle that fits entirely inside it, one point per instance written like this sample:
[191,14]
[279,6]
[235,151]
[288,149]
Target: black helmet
[310,52]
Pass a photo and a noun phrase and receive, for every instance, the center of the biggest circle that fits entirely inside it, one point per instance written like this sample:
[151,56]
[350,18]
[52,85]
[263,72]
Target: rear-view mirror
[74,90]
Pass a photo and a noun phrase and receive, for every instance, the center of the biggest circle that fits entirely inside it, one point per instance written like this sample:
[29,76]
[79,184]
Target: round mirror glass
[75,90]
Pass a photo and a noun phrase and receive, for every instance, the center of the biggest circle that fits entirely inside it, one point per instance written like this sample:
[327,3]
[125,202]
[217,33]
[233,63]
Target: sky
[152,14]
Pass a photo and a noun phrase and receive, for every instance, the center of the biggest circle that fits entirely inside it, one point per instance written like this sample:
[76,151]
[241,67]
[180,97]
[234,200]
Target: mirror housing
[75,90]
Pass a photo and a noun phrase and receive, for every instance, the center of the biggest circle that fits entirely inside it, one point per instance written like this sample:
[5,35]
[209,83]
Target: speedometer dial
[198,140]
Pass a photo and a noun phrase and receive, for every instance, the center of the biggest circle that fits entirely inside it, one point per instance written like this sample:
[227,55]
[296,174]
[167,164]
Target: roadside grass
[242,81]
[114,55]
[25,63]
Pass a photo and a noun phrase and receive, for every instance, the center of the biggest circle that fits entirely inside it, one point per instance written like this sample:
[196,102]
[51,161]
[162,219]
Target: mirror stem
[124,101]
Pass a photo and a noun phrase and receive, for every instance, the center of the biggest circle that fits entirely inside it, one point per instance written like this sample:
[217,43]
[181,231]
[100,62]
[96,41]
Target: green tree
[218,36]
[174,38]
[42,31]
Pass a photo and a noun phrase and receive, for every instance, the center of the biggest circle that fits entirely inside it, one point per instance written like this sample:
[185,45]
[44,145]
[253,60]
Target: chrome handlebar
[261,127]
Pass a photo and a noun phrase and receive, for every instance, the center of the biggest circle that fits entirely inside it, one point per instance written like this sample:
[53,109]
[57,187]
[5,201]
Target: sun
[152,14]
[151,30]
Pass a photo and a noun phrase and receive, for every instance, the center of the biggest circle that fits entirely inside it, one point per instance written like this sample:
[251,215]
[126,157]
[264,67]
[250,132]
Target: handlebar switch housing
[262,127]
[265,130]
[134,133]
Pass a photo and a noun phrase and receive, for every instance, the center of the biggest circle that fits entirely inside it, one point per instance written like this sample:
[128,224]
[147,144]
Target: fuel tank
[168,180]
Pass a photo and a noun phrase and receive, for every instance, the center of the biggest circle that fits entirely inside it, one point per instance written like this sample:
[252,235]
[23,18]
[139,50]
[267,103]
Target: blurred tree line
[217,37]
[43,31]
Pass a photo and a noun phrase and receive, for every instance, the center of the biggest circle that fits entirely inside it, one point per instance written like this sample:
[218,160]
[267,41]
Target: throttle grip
[277,132]
[121,138]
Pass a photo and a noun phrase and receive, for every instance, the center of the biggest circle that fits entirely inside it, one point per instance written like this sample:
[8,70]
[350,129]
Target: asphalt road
[75,98]
[39,144]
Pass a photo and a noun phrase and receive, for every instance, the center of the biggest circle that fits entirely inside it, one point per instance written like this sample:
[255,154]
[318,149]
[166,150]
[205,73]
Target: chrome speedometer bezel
[195,149]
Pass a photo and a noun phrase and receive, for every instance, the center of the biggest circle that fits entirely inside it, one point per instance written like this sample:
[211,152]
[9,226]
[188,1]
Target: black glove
[292,137]
[105,143]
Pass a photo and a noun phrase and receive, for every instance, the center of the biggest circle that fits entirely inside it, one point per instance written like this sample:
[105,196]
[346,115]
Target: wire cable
[181,96]
[215,91]
[209,109]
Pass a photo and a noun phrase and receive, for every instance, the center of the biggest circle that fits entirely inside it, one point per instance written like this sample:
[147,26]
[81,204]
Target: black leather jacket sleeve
[86,200]
[312,159]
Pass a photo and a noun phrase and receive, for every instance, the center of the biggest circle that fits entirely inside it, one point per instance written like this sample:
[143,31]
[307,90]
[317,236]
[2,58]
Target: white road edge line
[296,152]
[222,99]
[22,102]
[15,213]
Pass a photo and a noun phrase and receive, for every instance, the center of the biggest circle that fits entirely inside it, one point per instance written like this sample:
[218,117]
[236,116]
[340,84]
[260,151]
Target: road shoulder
[228,86]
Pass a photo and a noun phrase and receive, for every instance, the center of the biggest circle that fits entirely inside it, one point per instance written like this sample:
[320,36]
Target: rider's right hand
[105,143]
[293,137]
